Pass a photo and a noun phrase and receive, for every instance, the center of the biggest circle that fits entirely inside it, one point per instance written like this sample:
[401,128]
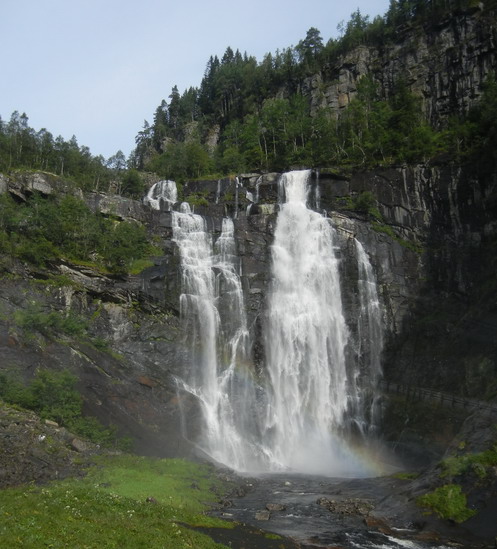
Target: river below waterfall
[320,512]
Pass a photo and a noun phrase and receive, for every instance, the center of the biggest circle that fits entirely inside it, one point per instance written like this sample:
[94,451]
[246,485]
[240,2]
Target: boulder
[262,515]
[275,507]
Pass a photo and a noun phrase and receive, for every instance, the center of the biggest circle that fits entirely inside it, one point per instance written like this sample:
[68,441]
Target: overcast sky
[97,69]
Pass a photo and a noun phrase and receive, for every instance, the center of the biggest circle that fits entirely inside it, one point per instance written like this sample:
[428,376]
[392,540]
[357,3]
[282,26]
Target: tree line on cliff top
[248,115]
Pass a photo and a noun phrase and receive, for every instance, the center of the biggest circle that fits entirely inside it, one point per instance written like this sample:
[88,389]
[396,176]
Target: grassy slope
[109,507]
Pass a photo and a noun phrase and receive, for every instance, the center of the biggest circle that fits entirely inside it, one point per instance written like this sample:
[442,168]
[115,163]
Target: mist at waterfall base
[315,394]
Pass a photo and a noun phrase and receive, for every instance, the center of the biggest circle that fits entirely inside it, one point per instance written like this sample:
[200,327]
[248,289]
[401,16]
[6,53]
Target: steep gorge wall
[433,252]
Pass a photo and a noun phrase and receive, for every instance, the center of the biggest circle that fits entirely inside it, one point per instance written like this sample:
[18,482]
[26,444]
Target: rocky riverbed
[318,512]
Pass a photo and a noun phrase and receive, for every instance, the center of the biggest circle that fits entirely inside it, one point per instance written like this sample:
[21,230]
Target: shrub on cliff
[43,230]
[448,502]
[53,395]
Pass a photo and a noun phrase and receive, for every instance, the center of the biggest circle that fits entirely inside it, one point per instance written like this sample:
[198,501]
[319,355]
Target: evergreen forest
[256,116]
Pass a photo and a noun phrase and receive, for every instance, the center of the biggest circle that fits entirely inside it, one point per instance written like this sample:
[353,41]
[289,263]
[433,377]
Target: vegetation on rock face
[22,147]
[478,464]
[125,501]
[43,230]
[50,324]
[467,474]
[53,395]
[448,502]
[364,202]
[248,115]
[280,133]
[257,116]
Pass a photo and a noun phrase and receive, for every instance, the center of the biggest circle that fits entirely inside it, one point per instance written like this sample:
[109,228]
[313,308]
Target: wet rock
[239,490]
[147,382]
[378,524]
[262,515]
[226,503]
[81,446]
[275,507]
[354,506]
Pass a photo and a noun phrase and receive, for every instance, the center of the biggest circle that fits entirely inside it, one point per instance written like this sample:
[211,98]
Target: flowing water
[213,314]
[309,390]
[297,511]
[162,193]
[293,422]
[297,414]
[369,340]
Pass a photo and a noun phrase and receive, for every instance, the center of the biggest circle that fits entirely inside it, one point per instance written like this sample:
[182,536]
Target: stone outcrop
[445,63]
[32,450]
[24,184]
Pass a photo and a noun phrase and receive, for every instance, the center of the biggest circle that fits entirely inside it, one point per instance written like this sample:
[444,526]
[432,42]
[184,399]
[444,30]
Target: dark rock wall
[445,63]
[433,251]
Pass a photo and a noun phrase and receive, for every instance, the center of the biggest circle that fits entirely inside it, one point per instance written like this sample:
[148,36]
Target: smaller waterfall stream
[162,193]
[213,314]
[370,339]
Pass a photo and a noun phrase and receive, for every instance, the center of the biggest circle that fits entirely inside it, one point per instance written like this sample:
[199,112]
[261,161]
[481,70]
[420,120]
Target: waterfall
[369,339]
[213,314]
[237,186]
[317,386]
[306,343]
[218,191]
[162,192]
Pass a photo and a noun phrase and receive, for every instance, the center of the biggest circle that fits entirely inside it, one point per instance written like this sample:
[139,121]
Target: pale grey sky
[98,68]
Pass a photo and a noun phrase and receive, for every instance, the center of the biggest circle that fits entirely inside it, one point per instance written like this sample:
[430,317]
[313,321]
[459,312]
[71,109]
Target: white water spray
[299,417]
[306,340]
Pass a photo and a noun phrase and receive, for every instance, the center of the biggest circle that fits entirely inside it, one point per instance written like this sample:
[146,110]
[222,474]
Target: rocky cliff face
[434,254]
[432,250]
[445,63]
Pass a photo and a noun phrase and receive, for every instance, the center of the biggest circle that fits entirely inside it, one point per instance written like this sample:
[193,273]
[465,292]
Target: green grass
[387,229]
[479,463]
[139,265]
[405,476]
[109,508]
[448,502]
[272,536]
[58,281]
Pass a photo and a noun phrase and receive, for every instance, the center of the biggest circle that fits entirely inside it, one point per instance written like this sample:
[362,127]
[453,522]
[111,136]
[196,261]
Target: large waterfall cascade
[313,388]
[299,416]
